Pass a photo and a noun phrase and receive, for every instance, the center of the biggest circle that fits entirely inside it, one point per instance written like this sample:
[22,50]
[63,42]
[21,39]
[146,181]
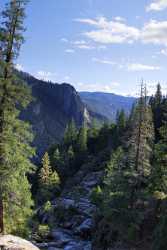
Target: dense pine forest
[104,186]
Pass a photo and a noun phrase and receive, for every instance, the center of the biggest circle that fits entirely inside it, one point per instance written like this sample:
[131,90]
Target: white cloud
[64,40]
[163,52]
[46,75]
[155,32]
[98,87]
[103,61]
[127,66]
[67,78]
[107,32]
[157,5]
[82,44]
[119,19]
[19,67]
[69,50]
[79,42]
[85,46]
[141,67]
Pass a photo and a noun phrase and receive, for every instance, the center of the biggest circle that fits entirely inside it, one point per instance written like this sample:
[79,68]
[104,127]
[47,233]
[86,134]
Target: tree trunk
[1,217]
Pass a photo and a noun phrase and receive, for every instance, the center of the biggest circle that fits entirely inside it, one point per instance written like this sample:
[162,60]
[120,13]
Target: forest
[112,177]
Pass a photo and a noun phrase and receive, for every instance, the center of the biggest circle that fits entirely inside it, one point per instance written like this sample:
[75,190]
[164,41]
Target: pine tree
[141,136]
[56,155]
[121,125]
[48,181]
[121,121]
[139,148]
[15,135]
[156,103]
[82,140]
[159,173]
[70,134]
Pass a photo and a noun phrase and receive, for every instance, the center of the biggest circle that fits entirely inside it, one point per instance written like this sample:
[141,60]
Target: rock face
[9,242]
[53,107]
[107,104]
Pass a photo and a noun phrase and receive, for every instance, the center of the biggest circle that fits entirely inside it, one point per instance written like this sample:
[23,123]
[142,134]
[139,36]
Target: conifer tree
[82,139]
[141,136]
[121,121]
[48,181]
[140,146]
[70,134]
[159,172]
[15,135]
[56,155]
[156,103]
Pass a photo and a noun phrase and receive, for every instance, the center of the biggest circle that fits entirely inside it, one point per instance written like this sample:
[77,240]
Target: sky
[97,45]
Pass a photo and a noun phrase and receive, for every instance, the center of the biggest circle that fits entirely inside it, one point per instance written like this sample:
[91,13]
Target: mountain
[107,104]
[53,107]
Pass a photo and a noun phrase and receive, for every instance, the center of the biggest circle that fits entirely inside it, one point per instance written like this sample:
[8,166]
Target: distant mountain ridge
[55,105]
[107,104]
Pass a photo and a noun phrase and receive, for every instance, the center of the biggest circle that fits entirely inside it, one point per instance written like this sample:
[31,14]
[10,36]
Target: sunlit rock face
[10,242]
[53,107]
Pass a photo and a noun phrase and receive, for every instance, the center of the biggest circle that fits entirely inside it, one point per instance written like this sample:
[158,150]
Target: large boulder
[10,242]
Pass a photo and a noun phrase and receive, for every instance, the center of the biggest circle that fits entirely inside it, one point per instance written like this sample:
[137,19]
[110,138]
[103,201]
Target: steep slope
[53,107]
[107,104]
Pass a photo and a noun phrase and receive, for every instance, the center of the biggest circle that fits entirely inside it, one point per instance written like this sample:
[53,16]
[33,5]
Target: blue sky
[97,45]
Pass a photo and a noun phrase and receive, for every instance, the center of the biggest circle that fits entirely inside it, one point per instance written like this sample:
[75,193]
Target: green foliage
[48,181]
[97,196]
[82,140]
[156,103]
[70,134]
[15,135]
[43,231]
[47,206]
[159,172]
[160,240]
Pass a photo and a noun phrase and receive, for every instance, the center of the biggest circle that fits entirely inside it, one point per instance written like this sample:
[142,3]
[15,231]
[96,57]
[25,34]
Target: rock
[84,206]
[10,242]
[61,235]
[65,203]
[92,179]
[80,245]
[54,248]
[49,245]
[84,230]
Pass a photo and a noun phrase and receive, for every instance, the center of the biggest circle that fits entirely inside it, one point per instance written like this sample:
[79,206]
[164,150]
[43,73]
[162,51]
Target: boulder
[85,229]
[61,235]
[79,245]
[10,242]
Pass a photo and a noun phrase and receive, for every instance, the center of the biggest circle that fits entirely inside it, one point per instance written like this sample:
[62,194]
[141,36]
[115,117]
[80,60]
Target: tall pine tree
[15,135]
[156,103]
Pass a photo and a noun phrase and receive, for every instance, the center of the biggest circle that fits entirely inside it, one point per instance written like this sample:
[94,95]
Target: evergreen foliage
[15,135]
[48,181]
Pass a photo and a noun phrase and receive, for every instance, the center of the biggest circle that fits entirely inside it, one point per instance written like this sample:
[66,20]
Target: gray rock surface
[10,242]
[74,230]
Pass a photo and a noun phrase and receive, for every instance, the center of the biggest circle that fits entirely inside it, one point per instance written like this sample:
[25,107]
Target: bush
[43,231]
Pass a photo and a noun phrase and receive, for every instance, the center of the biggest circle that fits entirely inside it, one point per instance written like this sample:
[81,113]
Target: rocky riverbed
[73,215]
